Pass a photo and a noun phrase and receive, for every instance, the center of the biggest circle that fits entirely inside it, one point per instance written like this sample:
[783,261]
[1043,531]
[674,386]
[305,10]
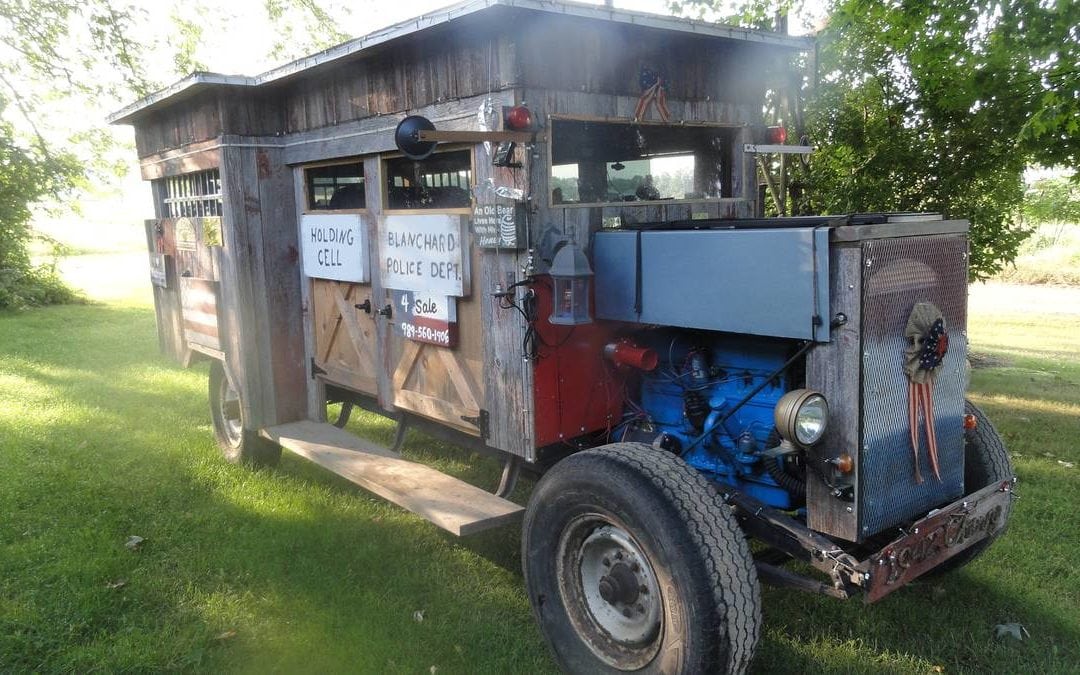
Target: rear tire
[238,443]
[633,563]
[986,461]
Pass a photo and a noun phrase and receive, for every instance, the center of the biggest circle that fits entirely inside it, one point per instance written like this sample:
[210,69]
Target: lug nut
[626,612]
[643,589]
[634,567]
[618,555]
[640,608]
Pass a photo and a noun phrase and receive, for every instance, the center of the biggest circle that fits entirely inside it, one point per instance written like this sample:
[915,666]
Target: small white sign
[335,246]
[424,253]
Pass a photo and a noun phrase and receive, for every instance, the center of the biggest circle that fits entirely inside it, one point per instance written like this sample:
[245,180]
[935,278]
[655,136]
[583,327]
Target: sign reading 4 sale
[426,318]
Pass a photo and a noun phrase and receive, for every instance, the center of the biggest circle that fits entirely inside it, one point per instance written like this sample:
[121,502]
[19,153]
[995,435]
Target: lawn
[294,570]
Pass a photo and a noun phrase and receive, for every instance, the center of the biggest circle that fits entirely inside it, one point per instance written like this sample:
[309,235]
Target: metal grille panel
[899,273]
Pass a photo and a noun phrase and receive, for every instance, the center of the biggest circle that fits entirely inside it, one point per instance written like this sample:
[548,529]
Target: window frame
[734,128]
[356,160]
[456,210]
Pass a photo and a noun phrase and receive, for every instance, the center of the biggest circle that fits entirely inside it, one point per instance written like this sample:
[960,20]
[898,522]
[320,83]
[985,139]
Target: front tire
[238,444]
[986,461]
[633,563]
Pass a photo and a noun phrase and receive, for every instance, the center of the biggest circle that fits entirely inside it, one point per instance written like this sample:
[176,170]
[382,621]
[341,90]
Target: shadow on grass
[295,569]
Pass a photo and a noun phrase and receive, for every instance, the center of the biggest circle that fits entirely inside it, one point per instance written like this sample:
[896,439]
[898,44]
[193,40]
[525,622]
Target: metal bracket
[481,422]
[778,149]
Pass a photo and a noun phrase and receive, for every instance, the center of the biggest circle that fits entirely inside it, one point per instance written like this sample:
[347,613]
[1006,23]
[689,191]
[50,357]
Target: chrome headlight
[802,416]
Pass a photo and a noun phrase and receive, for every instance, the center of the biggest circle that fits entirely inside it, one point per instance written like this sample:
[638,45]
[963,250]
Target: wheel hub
[620,590]
[620,586]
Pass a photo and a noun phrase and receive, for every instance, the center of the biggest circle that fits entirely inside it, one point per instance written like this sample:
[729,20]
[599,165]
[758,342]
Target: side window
[604,162]
[336,187]
[192,195]
[439,182]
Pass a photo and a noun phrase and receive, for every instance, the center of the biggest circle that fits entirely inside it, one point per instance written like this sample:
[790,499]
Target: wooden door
[445,384]
[345,336]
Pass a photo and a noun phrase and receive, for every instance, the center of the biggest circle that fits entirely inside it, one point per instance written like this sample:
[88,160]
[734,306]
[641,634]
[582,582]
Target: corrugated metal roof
[199,81]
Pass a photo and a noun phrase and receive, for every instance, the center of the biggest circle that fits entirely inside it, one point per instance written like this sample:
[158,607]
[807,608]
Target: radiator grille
[899,273]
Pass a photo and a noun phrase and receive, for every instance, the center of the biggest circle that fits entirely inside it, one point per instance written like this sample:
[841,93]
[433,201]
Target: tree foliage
[1052,200]
[939,106]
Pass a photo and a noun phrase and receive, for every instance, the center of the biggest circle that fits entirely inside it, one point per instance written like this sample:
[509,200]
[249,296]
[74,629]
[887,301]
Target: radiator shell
[876,282]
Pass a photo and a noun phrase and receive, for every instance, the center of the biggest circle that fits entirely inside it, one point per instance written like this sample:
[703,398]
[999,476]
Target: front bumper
[922,546]
[939,536]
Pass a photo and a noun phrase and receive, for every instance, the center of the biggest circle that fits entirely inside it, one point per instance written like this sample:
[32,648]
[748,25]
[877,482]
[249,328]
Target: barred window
[192,195]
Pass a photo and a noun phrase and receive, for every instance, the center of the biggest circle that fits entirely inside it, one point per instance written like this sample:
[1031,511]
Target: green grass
[101,439]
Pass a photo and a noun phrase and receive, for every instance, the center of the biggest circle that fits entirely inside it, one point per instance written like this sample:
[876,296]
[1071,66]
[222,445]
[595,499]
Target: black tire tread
[985,461]
[253,450]
[715,536]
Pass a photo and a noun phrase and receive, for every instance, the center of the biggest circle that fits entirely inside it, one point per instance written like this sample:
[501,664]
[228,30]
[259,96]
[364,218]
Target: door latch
[365,305]
[387,311]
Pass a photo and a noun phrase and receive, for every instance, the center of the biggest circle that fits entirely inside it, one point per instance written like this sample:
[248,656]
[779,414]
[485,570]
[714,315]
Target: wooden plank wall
[508,378]
[833,369]
[570,55]
[260,292]
[444,66]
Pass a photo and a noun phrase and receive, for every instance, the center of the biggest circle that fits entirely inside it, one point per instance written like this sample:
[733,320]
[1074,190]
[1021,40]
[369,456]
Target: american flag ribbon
[929,344]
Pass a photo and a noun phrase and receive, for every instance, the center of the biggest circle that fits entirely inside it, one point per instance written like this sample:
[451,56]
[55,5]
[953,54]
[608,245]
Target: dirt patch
[980,360]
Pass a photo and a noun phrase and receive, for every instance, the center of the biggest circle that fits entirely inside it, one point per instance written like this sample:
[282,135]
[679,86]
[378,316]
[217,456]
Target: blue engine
[689,405]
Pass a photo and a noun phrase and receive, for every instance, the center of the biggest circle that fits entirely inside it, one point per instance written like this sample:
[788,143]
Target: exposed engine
[710,399]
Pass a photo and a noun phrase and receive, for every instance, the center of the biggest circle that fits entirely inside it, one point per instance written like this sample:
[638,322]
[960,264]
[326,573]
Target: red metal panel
[575,389]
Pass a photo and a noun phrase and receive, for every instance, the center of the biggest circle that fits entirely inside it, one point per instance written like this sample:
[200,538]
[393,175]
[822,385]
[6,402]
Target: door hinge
[481,422]
[315,369]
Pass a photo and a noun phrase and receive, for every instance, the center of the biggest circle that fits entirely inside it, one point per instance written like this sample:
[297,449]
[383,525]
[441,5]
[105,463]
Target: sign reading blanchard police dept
[424,253]
[335,246]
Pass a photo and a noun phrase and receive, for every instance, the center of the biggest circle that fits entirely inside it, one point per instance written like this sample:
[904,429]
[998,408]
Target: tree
[1052,200]
[939,106]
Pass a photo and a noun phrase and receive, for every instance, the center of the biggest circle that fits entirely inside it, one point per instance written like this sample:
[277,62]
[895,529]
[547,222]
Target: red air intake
[626,353]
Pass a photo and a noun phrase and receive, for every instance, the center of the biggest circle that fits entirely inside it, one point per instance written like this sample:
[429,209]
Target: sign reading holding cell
[424,253]
[335,246]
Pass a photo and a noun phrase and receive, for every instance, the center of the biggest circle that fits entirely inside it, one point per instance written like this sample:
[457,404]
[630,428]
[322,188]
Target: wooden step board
[452,504]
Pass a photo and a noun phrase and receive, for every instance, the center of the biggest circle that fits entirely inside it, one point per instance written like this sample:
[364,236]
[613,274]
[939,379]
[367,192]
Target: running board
[452,504]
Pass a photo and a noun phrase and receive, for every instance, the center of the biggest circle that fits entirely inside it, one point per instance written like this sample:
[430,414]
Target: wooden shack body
[231,161]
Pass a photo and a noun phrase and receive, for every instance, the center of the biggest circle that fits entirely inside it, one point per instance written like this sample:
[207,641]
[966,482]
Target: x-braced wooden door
[346,345]
[445,384]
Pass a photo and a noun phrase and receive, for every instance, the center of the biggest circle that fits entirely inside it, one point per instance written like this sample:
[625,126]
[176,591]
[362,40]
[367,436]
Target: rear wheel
[237,443]
[986,461]
[633,563]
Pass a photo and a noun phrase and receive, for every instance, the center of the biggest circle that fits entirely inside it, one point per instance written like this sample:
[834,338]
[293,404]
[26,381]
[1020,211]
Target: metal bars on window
[192,195]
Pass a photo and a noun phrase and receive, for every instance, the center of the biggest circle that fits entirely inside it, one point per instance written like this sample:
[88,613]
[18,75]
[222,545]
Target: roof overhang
[198,82]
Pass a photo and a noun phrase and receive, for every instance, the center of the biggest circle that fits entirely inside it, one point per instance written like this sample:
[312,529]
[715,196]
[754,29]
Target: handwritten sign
[424,253]
[499,226]
[335,246]
[426,318]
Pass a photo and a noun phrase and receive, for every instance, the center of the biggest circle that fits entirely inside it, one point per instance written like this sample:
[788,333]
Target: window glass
[598,162]
[439,182]
[336,187]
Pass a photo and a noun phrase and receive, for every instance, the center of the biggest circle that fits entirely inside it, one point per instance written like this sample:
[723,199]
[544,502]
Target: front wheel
[238,444]
[986,461]
[633,563]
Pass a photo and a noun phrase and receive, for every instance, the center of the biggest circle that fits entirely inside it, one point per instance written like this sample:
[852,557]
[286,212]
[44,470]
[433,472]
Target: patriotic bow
[652,90]
[929,342]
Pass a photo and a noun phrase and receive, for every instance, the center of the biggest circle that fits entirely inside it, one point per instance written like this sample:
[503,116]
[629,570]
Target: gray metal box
[770,282]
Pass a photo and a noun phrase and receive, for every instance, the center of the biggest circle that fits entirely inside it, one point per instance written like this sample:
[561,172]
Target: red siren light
[519,118]
[777,135]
